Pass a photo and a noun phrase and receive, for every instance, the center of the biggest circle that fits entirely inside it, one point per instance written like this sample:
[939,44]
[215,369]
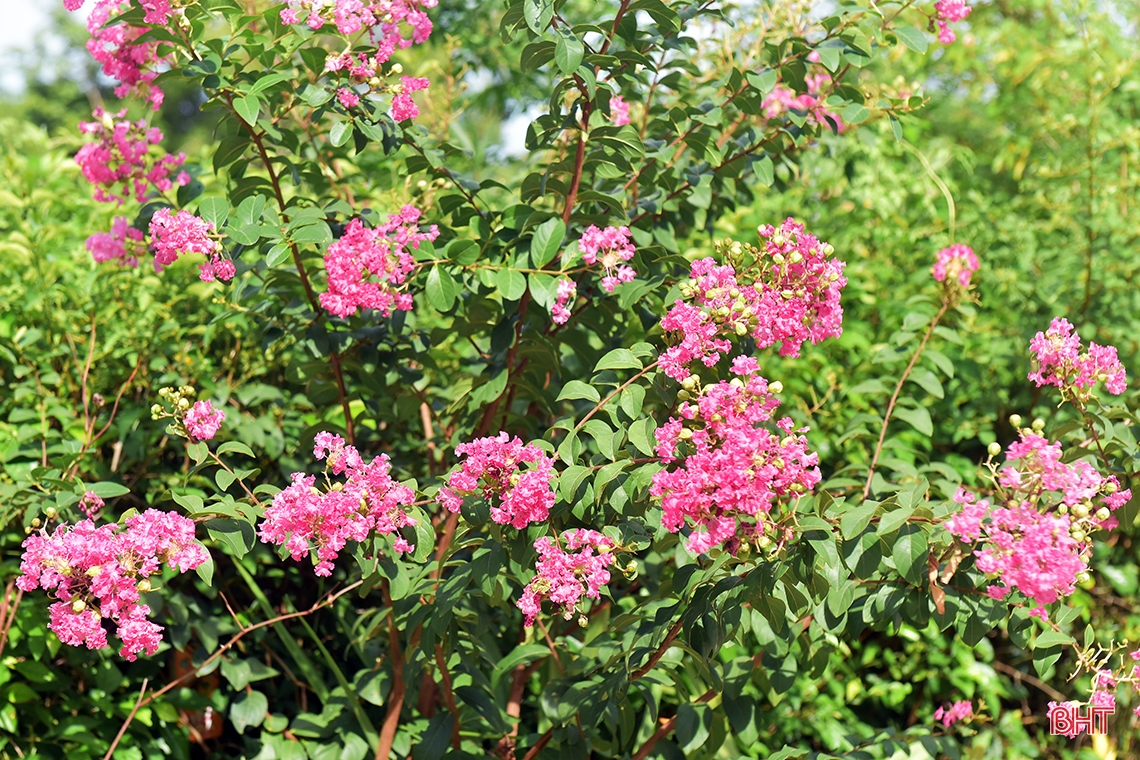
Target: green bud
[1015,420]
[583,621]
[776,387]
[1103,513]
[796,257]
[994,449]
[1080,511]
[1063,509]
[1078,535]
[143,586]
[741,329]
[36,523]
[183,403]
[50,513]
[1110,487]
[684,395]
[690,382]
[685,434]
[1038,424]
[78,606]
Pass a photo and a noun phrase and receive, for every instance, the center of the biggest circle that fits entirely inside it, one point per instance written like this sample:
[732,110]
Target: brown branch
[7,622]
[667,728]
[653,660]
[895,396]
[396,696]
[532,753]
[127,722]
[448,693]
[1032,681]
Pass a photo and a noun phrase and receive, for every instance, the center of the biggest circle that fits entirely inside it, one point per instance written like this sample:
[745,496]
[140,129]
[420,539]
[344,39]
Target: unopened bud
[795,257]
[1063,509]
[143,586]
[994,449]
[685,434]
[397,68]
[776,387]
[183,403]
[777,258]
[736,382]
[1015,420]
[1103,513]
[94,570]
[741,329]
[78,606]
[690,382]
[1083,577]
[1080,511]
[1038,424]
[583,621]
[1078,535]
[1110,487]
[684,395]
[156,411]
[374,82]
[50,513]
[338,486]
[36,523]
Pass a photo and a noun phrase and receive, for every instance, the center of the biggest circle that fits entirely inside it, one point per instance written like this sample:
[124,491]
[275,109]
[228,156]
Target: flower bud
[397,68]
[1083,577]
[183,403]
[1038,424]
[741,329]
[685,434]
[1063,509]
[776,387]
[36,523]
[690,382]
[78,606]
[1015,420]
[795,257]
[143,586]
[1103,513]
[374,82]
[93,571]
[994,449]
[50,513]
[684,395]
[156,411]
[1110,487]
[736,382]
[1077,534]
[1080,511]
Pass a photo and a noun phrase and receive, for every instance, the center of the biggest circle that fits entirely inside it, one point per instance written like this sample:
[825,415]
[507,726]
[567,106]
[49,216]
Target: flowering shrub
[538,394]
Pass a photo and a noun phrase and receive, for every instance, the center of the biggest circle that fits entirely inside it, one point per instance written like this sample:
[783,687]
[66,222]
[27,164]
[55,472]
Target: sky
[23,20]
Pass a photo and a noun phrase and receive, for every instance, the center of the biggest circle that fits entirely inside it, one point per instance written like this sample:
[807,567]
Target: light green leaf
[441,289]
[619,358]
[214,210]
[576,389]
[913,38]
[546,243]
[249,711]
[247,108]
[918,417]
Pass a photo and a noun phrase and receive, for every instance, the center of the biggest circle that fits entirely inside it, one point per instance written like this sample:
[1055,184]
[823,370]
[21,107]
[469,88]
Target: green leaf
[576,389]
[928,380]
[632,401]
[278,254]
[249,211]
[909,553]
[538,14]
[206,570]
[619,358]
[249,711]
[913,38]
[570,479]
[108,490]
[511,283]
[568,51]
[918,417]
[236,447]
[214,210]
[441,289]
[247,108]
[641,435]
[247,235]
[854,522]
[546,243]
[1052,638]
[318,234]
[894,519]
[340,133]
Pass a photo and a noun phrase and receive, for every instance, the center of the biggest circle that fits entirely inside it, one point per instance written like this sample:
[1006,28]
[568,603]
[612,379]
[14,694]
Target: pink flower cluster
[733,470]
[783,99]
[950,715]
[1039,542]
[567,290]
[619,111]
[99,573]
[564,576]
[611,246]
[1060,362]
[115,45]
[119,163]
[382,253]
[123,244]
[403,107]
[203,421]
[181,233]
[381,18]
[948,12]
[958,262]
[794,297]
[491,467]
[302,517]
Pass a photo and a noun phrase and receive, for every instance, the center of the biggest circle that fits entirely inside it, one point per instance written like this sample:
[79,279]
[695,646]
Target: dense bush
[608,471]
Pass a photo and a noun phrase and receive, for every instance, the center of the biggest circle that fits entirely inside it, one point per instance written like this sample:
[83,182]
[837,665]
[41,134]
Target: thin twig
[127,722]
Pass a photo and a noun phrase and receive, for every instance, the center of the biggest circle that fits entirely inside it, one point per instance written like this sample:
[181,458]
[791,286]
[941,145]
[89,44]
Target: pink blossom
[567,290]
[610,246]
[123,244]
[1038,543]
[403,107]
[347,97]
[203,421]
[181,233]
[792,297]
[91,505]
[952,714]
[958,262]
[383,253]
[119,163]
[619,111]
[99,573]
[304,518]
[783,99]
[1060,362]
[732,469]
[491,467]
[383,18]
[948,12]
[115,46]
[564,576]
